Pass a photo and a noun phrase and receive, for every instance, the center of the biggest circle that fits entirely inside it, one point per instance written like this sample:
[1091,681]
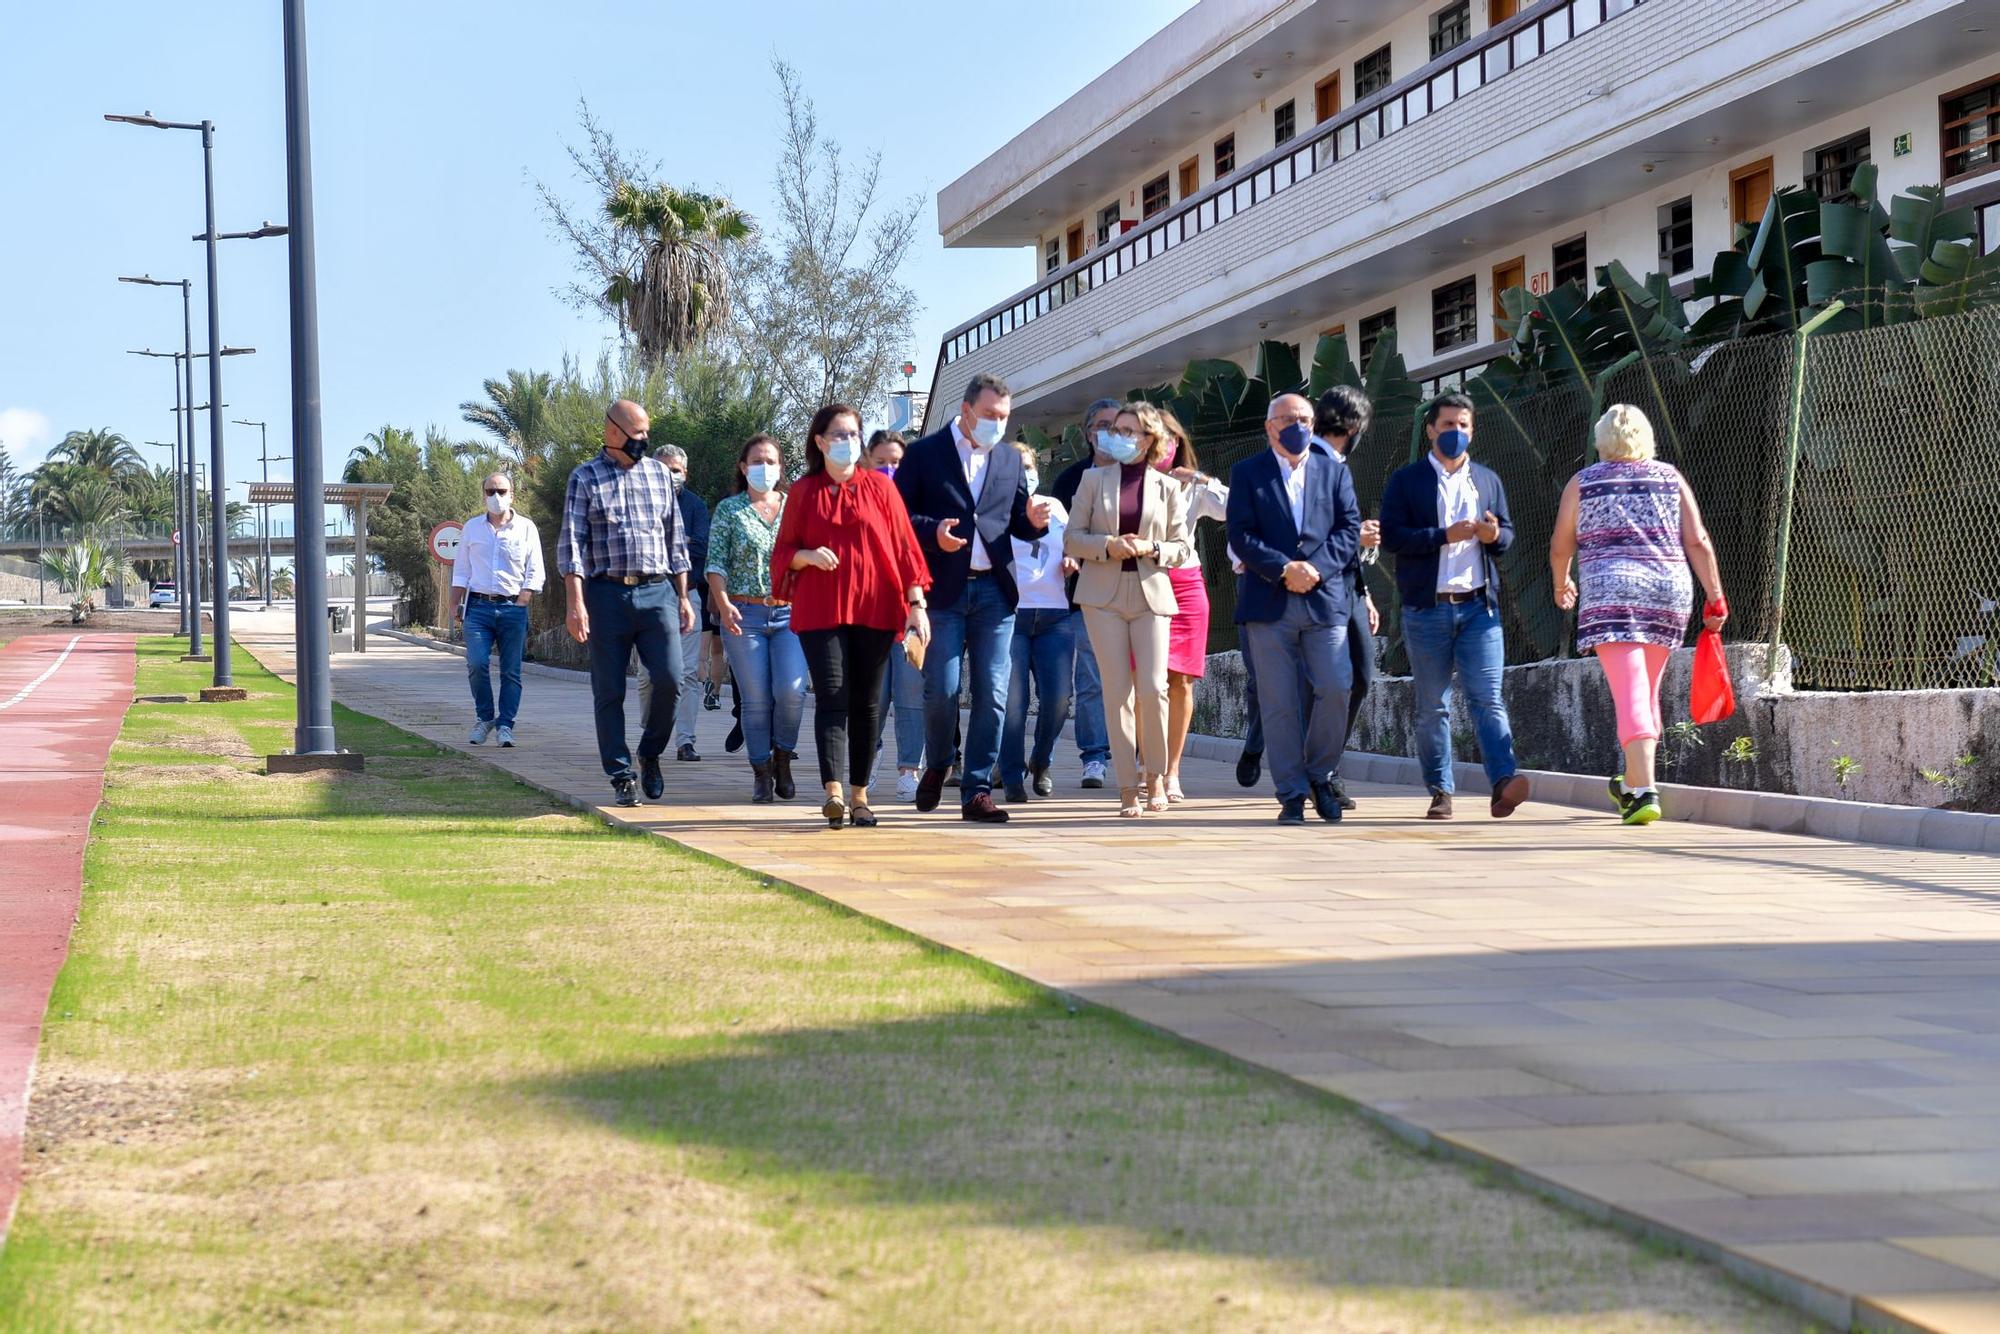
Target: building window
[1971,123]
[1371,73]
[1987,219]
[1830,168]
[1107,223]
[1154,197]
[1225,155]
[1284,122]
[1572,262]
[1450,26]
[1052,256]
[1677,237]
[1372,329]
[1190,177]
[1455,314]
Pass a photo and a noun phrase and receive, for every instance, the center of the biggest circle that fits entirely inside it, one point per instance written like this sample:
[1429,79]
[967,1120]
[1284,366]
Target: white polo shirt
[502,560]
[1461,565]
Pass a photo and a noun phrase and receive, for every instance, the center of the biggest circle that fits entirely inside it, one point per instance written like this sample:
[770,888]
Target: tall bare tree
[825,311]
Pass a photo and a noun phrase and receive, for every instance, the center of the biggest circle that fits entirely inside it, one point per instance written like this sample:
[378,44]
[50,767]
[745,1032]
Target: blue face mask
[1453,442]
[761,476]
[1103,440]
[844,450]
[1295,439]
[887,470]
[988,431]
[1119,448]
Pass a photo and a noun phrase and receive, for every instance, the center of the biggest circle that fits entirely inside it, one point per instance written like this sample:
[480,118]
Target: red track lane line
[65,698]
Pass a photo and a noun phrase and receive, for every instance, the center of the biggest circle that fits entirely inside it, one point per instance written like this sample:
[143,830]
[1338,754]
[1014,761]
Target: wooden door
[1190,177]
[1073,244]
[1514,273]
[1499,11]
[1326,98]
[1750,192]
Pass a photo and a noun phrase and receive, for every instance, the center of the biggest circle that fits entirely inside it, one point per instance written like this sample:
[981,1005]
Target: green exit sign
[1902,145]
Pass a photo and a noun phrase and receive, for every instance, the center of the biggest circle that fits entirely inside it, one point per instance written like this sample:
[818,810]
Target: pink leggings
[1634,672]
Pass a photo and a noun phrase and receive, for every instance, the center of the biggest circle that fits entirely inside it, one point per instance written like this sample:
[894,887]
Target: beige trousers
[1129,640]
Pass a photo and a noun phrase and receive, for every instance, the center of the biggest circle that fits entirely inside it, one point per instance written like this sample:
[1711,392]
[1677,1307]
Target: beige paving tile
[1660,1143]
[1871,1267]
[1979,1253]
[1958,1312]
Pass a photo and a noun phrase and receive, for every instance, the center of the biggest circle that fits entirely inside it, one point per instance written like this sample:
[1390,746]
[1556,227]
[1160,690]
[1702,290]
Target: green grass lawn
[417,1048]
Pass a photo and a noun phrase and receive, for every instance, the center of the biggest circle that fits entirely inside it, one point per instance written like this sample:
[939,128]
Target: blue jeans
[1301,749]
[770,671]
[1461,637]
[1093,733]
[903,696]
[488,624]
[973,637]
[1044,649]
[645,617]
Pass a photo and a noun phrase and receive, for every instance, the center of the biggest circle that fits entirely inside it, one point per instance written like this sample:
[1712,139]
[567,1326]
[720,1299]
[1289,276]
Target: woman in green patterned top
[764,655]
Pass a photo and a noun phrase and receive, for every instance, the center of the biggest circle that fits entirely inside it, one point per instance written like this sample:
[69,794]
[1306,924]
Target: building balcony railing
[1487,58]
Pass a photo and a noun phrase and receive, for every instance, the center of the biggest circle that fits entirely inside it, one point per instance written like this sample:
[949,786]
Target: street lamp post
[266,458]
[313,734]
[190,561]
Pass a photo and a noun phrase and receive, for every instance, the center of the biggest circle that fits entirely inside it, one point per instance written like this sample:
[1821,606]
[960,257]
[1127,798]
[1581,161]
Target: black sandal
[835,811]
[861,818]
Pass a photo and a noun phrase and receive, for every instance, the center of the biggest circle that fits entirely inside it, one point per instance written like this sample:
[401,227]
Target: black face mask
[636,446]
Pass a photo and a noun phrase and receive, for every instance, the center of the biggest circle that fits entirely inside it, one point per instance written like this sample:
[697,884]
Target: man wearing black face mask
[623,552]
[1445,519]
[1295,525]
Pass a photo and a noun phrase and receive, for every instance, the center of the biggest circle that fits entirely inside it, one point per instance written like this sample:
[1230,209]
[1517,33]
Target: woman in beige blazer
[1127,528]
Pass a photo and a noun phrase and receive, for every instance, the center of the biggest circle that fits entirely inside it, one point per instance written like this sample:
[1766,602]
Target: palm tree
[282,585]
[90,504]
[83,567]
[379,447]
[105,452]
[679,291]
[516,413]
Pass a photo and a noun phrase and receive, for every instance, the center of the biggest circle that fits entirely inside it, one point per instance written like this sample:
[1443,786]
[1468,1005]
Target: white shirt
[1295,486]
[503,560]
[1038,572]
[1207,499]
[1461,567]
[973,458]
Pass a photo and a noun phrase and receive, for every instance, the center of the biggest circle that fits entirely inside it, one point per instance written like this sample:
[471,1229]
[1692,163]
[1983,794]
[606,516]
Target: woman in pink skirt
[1187,634]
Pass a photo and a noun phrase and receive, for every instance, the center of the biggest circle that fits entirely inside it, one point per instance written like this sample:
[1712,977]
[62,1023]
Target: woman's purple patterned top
[1635,586]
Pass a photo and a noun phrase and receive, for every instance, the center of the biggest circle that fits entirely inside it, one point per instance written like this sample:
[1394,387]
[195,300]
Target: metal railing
[1507,46]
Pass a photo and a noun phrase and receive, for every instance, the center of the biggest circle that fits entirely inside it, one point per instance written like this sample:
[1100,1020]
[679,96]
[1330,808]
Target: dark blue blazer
[1413,530]
[933,486]
[1266,540]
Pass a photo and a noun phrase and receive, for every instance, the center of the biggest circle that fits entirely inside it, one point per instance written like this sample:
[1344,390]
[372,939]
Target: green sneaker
[1643,807]
[1616,786]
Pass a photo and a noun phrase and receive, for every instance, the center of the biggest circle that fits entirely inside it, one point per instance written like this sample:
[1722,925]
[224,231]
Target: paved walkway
[62,698]
[1783,1051]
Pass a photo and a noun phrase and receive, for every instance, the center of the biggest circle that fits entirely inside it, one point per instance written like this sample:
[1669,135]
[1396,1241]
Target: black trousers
[847,664]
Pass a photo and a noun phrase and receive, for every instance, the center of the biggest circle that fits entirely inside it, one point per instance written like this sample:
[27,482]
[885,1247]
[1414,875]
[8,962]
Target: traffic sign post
[444,552]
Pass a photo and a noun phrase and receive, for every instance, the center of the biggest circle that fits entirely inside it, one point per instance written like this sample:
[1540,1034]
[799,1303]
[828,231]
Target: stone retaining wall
[1563,720]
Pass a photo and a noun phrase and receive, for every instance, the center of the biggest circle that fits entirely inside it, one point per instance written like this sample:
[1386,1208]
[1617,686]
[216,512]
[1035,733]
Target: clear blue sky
[436,269]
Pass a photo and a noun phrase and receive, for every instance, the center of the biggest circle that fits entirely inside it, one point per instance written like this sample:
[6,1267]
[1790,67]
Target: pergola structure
[356,496]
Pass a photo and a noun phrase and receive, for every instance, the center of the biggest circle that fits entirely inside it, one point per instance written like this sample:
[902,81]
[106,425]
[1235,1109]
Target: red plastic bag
[1711,698]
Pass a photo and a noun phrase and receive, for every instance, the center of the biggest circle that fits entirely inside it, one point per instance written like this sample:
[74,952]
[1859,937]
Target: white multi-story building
[1285,168]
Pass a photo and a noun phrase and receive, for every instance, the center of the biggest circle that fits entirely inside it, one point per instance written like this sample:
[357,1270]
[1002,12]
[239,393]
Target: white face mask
[843,451]
[497,505]
[761,476]
[1034,480]
[988,431]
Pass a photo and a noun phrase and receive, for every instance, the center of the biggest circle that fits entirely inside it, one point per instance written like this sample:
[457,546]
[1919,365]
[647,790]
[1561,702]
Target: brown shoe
[930,789]
[1508,794]
[1440,805]
[981,810]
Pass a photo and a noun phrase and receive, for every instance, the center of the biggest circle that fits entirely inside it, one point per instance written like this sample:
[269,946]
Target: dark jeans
[1302,749]
[1093,730]
[973,636]
[1461,639]
[1045,653]
[490,625]
[645,617]
[847,665]
[1360,655]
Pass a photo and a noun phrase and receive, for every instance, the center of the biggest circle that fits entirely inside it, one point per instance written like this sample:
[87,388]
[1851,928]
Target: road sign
[177,537]
[444,542]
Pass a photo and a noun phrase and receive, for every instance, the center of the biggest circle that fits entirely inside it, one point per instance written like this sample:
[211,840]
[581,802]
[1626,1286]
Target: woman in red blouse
[857,581]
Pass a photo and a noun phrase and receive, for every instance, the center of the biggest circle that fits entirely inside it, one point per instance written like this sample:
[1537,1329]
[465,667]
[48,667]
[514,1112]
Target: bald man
[624,561]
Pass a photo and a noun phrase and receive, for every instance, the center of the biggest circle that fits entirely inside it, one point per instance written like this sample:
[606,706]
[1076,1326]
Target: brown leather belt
[758,602]
[1476,595]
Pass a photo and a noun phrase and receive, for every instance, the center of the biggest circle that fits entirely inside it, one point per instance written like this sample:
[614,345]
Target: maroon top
[1131,502]
[863,522]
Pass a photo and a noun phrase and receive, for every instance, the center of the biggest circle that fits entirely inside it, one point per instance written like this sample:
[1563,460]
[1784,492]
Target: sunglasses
[499,491]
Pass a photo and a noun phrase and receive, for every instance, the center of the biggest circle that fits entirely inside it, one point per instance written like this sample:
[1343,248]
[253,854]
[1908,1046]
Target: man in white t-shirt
[496,574]
[1043,650]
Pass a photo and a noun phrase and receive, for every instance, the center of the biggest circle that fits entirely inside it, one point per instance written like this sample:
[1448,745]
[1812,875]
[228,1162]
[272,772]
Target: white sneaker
[504,735]
[1093,774]
[906,785]
[480,731]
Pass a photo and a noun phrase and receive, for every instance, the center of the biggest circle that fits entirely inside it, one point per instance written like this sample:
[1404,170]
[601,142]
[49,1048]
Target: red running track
[62,699]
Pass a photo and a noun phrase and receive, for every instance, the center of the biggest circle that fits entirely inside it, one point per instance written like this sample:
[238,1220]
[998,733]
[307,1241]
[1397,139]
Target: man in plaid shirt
[622,551]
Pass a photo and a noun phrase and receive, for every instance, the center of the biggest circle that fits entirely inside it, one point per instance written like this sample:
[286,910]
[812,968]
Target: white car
[163,595]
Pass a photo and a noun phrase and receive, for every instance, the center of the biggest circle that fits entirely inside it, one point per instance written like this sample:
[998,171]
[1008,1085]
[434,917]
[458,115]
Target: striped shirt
[621,521]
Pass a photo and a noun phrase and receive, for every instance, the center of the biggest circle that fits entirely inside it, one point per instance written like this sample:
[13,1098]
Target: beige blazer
[1093,522]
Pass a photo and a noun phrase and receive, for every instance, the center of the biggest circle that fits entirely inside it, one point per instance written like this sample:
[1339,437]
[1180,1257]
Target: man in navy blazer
[967,494]
[1445,519]
[1295,525]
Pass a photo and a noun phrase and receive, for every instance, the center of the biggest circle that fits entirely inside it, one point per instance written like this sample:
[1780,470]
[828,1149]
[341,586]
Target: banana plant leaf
[1278,368]
[1331,366]
[1919,221]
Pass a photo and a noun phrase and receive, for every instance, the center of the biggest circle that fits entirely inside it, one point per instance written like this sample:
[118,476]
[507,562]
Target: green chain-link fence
[1892,576]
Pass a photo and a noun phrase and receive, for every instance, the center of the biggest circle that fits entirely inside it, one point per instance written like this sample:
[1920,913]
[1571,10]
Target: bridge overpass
[161,548]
